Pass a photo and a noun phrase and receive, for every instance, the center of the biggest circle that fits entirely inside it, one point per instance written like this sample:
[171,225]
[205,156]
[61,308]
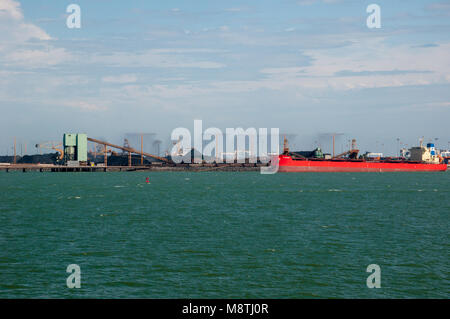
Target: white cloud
[185,50]
[283,71]
[310,2]
[84,106]
[17,50]
[15,37]
[32,58]
[10,8]
[13,28]
[234,9]
[124,78]
[158,58]
[438,104]
[373,64]
[367,64]
[440,6]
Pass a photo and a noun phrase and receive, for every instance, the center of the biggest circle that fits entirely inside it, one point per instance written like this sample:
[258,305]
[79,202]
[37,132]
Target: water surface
[224,234]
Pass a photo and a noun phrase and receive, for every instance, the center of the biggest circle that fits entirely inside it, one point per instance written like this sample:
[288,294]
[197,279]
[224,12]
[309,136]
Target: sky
[307,67]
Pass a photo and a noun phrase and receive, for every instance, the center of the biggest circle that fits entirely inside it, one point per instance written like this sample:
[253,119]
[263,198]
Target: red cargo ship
[297,162]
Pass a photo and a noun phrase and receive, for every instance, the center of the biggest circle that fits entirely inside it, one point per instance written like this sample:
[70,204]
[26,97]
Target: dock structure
[155,168]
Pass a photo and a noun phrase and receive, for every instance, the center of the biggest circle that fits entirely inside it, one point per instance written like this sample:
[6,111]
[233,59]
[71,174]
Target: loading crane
[127,149]
[352,153]
[52,146]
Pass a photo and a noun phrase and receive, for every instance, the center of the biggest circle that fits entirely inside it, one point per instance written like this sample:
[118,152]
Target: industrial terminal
[79,153]
[73,155]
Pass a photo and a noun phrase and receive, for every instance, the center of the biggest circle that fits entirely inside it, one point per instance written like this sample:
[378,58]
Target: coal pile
[50,158]
[121,160]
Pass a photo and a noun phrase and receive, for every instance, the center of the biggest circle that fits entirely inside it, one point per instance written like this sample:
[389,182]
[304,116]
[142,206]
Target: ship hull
[287,164]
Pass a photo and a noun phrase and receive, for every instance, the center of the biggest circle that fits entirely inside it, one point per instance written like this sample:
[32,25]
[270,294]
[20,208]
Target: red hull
[287,164]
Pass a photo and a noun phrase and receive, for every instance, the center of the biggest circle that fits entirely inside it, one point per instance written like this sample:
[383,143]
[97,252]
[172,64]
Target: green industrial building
[75,147]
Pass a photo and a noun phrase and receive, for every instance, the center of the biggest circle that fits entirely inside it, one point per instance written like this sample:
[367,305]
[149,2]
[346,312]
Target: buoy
[147,180]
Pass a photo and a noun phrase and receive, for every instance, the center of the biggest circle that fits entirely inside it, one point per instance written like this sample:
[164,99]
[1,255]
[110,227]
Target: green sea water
[224,235]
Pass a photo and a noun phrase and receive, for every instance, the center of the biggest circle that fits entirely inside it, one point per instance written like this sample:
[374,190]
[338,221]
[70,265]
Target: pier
[236,167]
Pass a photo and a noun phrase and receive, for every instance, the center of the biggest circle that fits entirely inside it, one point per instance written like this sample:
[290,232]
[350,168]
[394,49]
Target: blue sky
[306,66]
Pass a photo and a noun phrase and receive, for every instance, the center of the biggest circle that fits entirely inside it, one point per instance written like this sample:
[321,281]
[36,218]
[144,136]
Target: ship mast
[285,146]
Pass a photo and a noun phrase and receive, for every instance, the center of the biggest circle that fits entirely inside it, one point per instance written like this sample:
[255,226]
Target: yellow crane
[351,153]
[52,146]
